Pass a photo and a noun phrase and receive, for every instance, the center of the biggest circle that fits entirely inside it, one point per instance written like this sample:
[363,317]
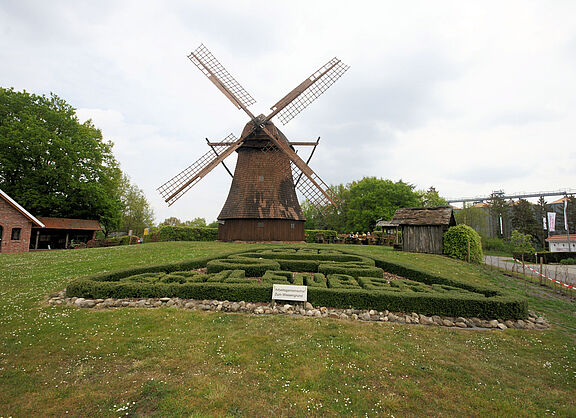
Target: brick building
[15,225]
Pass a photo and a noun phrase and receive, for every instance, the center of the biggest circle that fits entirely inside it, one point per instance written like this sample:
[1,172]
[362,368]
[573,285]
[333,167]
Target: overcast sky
[468,97]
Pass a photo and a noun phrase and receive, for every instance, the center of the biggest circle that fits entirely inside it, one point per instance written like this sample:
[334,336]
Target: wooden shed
[423,228]
[59,233]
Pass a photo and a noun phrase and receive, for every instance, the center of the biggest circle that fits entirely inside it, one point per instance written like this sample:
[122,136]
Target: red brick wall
[11,218]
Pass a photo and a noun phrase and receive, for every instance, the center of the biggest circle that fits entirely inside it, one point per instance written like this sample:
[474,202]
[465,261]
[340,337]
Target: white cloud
[468,97]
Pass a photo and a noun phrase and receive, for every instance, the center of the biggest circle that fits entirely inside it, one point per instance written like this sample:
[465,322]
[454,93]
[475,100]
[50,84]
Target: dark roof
[67,223]
[561,238]
[20,209]
[387,224]
[439,215]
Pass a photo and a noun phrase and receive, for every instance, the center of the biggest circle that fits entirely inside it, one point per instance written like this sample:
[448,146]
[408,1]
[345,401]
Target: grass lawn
[168,362]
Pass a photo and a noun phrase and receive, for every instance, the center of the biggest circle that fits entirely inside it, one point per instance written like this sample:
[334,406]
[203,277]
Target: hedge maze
[335,278]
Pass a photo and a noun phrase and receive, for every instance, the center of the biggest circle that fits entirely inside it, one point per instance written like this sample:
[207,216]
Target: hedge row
[183,233]
[425,303]
[308,256]
[312,235]
[547,256]
[449,296]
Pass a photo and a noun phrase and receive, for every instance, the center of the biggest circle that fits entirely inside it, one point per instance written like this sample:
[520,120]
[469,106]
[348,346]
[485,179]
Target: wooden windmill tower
[262,203]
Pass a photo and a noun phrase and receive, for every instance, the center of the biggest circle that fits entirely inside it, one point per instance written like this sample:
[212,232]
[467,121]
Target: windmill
[262,203]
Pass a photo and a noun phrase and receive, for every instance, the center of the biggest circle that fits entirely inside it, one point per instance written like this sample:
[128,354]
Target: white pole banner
[544,223]
[565,215]
[552,221]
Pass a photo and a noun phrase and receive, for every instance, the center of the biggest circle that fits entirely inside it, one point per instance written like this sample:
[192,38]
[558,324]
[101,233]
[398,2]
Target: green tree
[332,217]
[431,198]
[475,217]
[372,198]
[196,222]
[521,242]
[52,164]
[171,221]
[137,213]
[540,210]
[500,212]
[523,218]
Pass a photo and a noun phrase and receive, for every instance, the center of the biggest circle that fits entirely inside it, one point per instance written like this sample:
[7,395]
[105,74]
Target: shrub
[252,268]
[186,233]
[424,293]
[312,235]
[456,241]
[350,269]
[342,281]
[278,277]
[496,244]
[567,261]
[311,279]
[521,242]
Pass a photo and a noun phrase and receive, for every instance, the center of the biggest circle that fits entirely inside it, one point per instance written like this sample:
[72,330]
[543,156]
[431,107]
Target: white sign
[551,221]
[289,292]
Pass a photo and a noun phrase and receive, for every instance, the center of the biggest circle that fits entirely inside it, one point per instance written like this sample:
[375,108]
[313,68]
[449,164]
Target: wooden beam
[297,143]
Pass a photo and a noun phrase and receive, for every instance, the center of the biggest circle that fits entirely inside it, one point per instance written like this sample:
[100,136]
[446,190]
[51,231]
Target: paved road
[565,274]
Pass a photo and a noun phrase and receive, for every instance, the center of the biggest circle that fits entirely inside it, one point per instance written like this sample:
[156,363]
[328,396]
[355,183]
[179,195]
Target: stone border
[302,309]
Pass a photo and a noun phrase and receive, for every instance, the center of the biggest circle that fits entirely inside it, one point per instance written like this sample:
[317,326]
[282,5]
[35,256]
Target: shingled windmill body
[262,204]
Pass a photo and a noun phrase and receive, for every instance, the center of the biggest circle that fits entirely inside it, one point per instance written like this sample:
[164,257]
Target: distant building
[15,225]
[561,243]
[423,228]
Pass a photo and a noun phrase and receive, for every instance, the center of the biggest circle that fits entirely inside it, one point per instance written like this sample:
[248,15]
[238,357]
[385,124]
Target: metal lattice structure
[321,81]
[174,188]
[211,67]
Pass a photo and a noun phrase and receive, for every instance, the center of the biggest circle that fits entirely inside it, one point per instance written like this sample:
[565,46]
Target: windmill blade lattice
[302,182]
[172,190]
[321,80]
[211,67]
[310,191]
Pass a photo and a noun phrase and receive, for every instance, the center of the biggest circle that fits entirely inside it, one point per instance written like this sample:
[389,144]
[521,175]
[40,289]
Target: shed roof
[387,224]
[67,223]
[561,238]
[439,215]
[20,209]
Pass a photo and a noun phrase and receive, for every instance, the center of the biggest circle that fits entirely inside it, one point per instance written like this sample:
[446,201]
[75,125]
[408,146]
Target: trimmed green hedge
[458,239]
[186,233]
[312,235]
[353,270]
[426,303]
[547,256]
[252,268]
[353,284]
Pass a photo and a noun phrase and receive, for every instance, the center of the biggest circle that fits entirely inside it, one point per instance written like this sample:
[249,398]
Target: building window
[16,234]
[260,224]
[291,226]
[260,178]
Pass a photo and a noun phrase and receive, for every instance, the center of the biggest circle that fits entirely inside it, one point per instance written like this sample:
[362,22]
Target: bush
[456,241]
[521,242]
[496,244]
[567,261]
[252,268]
[186,233]
[351,270]
[312,235]
[424,293]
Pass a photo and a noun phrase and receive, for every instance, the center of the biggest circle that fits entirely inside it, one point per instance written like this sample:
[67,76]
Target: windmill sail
[174,188]
[217,74]
[308,91]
